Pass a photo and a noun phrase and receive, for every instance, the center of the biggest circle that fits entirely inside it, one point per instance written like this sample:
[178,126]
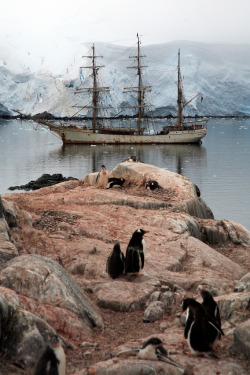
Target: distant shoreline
[49,116]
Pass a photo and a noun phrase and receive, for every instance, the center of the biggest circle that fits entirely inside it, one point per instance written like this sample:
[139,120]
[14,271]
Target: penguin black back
[113,181]
[152,185]
[202,330]
[135,252]
[210,306]
[116,262]
[52,360]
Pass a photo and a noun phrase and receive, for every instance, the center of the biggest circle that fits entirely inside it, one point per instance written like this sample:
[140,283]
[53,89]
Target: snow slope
[221,73]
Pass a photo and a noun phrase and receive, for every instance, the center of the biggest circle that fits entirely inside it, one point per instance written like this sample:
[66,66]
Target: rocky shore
[54,244]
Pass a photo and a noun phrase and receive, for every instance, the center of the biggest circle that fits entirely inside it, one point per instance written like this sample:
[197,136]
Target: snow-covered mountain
[221,73]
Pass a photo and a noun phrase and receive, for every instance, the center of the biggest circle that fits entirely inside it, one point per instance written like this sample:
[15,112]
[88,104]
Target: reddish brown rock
[77,226]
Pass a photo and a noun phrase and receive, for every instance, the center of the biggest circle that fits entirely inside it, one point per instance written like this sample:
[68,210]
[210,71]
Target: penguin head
[205,294]
[54,341]
[103,168]
[189,302]
[117,247]
[155,341]
[141,232]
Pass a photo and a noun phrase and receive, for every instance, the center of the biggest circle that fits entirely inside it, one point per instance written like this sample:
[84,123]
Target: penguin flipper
[97,177]
[129,261]
[128,352]
[189,321]
[136,261]
[142,259]
[123,257]
[214,324]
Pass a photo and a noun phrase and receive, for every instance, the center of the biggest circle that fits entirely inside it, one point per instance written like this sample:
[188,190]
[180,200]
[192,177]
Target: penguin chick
[152,185]
[52,360]
[153,349]
[116,262]
[135,253]
[201,330]
[211,307]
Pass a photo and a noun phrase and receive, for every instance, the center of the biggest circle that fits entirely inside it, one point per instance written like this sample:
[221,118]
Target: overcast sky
[40,25]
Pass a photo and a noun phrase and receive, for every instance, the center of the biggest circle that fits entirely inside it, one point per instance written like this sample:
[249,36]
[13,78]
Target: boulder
[131,367]
[9,213]
[234,307]
[61,319]
[43,181]
[23,335]
[182,190]
[153,312]
[45,281]
[8,249]
[120,295]
[241,344]
[243,284]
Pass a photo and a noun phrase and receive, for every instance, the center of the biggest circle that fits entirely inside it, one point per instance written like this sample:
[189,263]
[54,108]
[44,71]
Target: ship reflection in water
[176,158]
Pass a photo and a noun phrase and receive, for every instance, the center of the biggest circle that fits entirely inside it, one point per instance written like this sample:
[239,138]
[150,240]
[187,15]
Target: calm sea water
[220,166]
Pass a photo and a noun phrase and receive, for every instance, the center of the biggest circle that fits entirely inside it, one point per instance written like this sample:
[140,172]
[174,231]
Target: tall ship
[180,133]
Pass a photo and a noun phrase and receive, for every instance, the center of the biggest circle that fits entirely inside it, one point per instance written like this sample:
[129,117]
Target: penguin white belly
[60,355]
[143,246]
[148,353]
[187,314]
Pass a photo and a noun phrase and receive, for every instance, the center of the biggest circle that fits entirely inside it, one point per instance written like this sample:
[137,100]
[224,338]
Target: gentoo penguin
[102,177]
[135,253]
[211,307]
[152,185]
[52,361]
[113,181]
[116,262]
[201,330]
[152,350]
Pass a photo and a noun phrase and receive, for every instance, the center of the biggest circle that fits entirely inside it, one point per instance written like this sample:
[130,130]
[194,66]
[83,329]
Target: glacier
[220,73]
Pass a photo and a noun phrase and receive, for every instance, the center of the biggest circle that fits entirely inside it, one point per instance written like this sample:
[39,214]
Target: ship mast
[140,89]
[179,97]
[180,93]
[95,89]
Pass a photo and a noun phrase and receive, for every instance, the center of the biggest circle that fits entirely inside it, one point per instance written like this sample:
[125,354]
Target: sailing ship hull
[75,136]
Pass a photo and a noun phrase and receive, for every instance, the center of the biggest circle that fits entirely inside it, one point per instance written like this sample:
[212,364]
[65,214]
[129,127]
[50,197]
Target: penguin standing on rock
[116,262]
[201,331]
[52,361]
[135,253]
[102,177]
[211,307]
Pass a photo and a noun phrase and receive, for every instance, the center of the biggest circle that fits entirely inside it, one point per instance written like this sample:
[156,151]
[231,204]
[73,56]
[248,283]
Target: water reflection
[176,158]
